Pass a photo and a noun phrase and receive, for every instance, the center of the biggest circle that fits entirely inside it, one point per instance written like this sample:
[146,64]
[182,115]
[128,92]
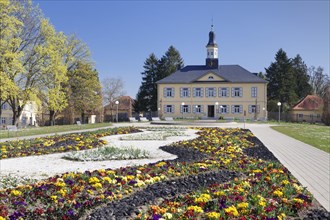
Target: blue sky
[122,34]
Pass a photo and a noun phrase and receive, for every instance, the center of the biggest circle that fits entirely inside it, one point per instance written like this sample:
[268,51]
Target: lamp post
[182,104]
[117,103]
[216,109]
[196,107]
[279,111]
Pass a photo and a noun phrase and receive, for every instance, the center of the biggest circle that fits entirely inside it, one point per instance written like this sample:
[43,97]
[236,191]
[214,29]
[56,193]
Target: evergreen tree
[148,89]
[303,87]
[169,63]
[282,84]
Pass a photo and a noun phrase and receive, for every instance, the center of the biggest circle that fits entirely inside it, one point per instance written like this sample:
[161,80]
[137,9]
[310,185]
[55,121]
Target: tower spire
[212,50]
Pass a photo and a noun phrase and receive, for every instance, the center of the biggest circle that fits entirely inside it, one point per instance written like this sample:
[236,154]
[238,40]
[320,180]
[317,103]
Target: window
[4,106]
[236,109]
[211,53]
[254,108]
[224,109]
[254,92]
[318,116]
[211,77]
[210,92]
[198,109]
[168,92]
[300,115]
[224,92]
[198,92]
[169,109]
[185,92]
[237,92]
[3,120]
[311,116]
[185,108]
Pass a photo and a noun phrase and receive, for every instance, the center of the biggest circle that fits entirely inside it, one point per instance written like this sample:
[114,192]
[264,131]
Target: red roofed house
[309,109]
[125,109]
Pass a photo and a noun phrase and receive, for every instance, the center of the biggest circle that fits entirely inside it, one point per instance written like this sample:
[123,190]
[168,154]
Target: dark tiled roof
[230,73]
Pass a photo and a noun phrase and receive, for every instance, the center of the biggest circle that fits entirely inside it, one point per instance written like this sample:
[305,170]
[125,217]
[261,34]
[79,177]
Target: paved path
[309,165]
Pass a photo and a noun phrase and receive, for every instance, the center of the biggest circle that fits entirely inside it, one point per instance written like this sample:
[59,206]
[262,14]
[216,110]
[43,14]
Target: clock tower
[212,51]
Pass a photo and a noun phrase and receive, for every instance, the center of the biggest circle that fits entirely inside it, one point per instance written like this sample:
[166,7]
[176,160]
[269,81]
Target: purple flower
[70,212]
[156,217]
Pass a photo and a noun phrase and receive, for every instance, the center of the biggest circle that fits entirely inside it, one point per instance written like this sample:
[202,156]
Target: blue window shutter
[202,108]
[172,92]
[188,92]
[194,108]
[165,108]
[189,108]
[232,92]
[165,92]
[181,108]
[194,92]
[207,92]
[240,109]
[181,92]
[250,108]
[256,92]
[240,92]
[173,108]
[227,108]
[202,92]
[219,91]
[232,109]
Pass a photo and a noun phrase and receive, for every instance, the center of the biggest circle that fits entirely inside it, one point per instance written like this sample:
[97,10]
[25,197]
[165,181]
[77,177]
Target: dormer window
[211,77]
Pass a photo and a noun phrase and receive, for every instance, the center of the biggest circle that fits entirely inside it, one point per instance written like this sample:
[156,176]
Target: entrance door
[210,111]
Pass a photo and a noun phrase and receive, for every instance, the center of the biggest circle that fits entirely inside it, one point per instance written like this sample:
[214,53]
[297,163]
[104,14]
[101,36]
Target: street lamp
[279,111]
[117,103]
[182,108]
[216,109]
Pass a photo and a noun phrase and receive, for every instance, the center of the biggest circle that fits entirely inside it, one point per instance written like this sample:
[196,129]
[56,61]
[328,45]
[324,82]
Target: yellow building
[309,109]
[212,90]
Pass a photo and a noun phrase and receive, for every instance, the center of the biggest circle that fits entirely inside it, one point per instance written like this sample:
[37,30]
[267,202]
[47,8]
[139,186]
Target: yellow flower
[16,193]
[203,198]
[298,200]
[2,218]
[281,216]
[219,193]
[93,180]
[97,186]
[60,182]
[232,210]
[62,192]
[196,209]
[285,182]
[242,205]
[160,164]
[278,193]
[262,203]
[213,215]
[257,171]
[54,198]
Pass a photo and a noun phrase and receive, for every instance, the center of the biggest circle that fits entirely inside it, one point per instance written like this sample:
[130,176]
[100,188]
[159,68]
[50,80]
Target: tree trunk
[51,118]
[83,117]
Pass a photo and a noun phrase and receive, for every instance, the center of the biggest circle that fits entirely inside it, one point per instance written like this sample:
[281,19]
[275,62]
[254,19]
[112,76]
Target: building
[212,90]
[309,109]
[125,109]
[28,117]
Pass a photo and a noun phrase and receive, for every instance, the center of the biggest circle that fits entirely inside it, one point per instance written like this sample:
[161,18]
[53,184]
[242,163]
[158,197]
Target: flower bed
[266,188]
[58,144]
[156,135]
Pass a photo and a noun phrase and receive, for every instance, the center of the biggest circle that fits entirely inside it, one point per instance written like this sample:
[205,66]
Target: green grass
[315,135]
[49,130]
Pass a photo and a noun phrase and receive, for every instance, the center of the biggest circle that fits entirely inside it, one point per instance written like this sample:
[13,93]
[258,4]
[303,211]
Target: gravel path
[44,166]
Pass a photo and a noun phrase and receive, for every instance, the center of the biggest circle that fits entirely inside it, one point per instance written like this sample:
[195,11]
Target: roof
[309,103]
[230,73]
[125,103]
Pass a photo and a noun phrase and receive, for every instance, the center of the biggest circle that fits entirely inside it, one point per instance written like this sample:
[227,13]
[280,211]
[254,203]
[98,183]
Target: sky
[122,34]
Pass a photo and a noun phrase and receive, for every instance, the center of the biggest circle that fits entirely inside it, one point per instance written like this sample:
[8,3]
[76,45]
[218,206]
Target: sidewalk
[308,164]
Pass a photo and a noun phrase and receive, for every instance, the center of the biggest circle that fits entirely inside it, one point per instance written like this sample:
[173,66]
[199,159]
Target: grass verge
[49,129]
[315,135]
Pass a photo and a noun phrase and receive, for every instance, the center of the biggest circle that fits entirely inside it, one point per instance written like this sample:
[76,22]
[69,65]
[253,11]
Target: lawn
[315,135]
[49,130]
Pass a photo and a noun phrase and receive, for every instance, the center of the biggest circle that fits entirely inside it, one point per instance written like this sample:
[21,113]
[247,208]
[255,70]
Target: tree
[300,72]
[155,70]
[10,62]
[112,88]
[169,63]
[84,89]
[318,80]
[326,105]
[282,85]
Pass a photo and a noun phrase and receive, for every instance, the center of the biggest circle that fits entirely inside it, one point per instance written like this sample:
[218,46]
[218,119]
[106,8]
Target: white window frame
[185,92]
[185,109]
[224,109]
[169,109]
[3,120]
[223,92]
[254,92]
[198,91]
[198,109]
[236,109]
[237,92]
[169,92]
[210,78]
[211,92]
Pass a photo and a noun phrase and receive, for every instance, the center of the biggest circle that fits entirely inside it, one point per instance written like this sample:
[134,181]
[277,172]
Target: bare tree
[112,89]
[318,80]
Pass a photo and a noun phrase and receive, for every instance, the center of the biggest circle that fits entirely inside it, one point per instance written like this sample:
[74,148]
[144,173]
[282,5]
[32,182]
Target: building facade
[309,109]
[28,117]
[212,90]
[124,107]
